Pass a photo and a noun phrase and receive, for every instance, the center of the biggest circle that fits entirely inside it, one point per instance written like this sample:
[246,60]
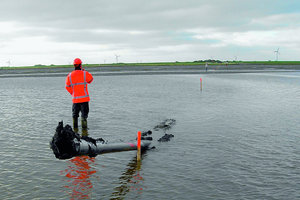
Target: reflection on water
[79,173]
[131,180]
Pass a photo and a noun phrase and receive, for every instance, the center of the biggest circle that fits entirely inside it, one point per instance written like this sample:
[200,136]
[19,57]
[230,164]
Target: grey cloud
[162,22]
[77,20]
[131,14]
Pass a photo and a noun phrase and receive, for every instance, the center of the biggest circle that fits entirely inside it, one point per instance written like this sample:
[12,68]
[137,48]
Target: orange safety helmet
[77,61]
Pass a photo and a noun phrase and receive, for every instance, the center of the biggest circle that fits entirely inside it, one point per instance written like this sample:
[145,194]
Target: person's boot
[75,125]
[84,127]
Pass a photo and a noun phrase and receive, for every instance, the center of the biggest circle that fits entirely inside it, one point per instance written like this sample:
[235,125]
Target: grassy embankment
[209,62]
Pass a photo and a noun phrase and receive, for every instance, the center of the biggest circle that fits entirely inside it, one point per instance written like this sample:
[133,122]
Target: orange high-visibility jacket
[76,85]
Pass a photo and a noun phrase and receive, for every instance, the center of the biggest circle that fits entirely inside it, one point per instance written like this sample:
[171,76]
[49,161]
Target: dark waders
[84,109]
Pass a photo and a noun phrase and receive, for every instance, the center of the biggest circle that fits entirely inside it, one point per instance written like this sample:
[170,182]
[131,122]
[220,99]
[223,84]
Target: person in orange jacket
[76,85]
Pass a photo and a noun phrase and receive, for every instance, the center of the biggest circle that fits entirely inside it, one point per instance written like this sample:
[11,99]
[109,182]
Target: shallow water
[238,138]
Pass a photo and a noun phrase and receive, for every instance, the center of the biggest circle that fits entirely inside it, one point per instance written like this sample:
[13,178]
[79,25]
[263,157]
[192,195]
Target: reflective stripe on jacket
[76,85]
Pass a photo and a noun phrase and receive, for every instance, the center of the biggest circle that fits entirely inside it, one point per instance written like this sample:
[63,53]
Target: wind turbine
[117,57]
[277,52]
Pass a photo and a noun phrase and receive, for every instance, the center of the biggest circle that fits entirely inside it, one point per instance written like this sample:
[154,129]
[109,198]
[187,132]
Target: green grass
[37,67]
[272,62]
[210,62]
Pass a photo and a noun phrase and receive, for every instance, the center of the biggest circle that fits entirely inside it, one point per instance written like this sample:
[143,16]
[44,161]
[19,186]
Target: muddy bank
[149,70]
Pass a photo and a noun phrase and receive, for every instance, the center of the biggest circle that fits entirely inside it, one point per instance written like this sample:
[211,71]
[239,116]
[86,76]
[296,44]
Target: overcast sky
[56,31]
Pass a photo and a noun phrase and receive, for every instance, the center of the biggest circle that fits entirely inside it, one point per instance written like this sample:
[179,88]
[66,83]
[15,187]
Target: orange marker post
[201,84]
[138,155]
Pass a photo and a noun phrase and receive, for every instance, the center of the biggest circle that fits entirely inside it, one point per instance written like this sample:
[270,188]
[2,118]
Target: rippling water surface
[238,138]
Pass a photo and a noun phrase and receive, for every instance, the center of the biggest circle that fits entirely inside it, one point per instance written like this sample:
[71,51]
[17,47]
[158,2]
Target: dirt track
[149,70]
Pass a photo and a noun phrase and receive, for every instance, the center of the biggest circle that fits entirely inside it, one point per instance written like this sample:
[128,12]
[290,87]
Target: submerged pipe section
[66,144]
[86,148]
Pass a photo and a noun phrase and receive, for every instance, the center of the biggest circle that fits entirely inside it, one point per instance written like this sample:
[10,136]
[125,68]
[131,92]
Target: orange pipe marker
[201,84]
[138,156]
